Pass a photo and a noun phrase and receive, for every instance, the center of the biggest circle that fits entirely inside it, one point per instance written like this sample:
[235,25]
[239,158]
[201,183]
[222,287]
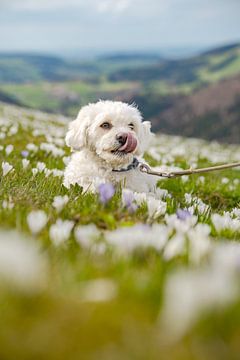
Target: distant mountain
[211,113]
[207,67]
[24,68]
[131,56]
[210,66]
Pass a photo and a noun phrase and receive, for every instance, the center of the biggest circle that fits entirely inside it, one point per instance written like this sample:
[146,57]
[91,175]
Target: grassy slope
[56,97]
[56,324]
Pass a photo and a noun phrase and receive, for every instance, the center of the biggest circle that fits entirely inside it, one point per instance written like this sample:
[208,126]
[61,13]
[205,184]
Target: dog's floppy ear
[145,137]
[76,137]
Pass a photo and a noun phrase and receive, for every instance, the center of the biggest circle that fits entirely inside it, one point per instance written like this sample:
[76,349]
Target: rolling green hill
[207,67]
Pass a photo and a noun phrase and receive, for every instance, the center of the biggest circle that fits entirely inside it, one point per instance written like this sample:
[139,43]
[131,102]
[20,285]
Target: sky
[69,26]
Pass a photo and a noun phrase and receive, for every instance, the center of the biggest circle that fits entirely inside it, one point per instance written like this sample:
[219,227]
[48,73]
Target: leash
[173,174]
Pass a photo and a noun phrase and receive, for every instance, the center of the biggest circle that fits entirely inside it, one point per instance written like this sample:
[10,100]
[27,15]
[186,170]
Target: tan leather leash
[173,174]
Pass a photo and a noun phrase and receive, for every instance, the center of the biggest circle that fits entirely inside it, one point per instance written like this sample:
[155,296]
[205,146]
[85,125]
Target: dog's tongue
[130,145]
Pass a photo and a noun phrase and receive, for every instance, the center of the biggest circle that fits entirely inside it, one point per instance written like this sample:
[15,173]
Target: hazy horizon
[106,26]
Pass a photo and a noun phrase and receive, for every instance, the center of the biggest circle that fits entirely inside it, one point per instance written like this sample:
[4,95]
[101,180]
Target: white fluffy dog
[108,138]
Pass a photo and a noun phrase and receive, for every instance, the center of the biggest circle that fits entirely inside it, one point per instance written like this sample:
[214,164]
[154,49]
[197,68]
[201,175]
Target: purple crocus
[183,214]
[106,192]
[128,200]
[24,153]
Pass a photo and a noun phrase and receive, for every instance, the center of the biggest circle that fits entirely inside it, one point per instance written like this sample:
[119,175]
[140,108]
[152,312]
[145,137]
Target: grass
[56,322]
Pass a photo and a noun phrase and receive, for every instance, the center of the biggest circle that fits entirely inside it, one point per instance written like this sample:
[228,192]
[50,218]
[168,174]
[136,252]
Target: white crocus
[25,163]
[6,168]
[36,221]
[21,263]
[156,207]
[32,147]
[189,293]
[9,149]
[85,234]
[99,290]
[59,202]
[175,246]
[41,166]
[60,231]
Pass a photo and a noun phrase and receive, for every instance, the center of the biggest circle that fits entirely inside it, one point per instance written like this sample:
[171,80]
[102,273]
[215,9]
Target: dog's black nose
[122,138]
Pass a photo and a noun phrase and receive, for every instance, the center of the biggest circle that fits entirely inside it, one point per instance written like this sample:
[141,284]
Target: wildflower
[189,293]
[140,198]
[25,163]
[36,221]
[156,207]
[32,147]
[24,153]
[188,198]
[128,239]
[51,148]
[174,247]
[57,172]
[183,214]
[21,264]
[128,200]
[181,226]
[99,290]
[47,172]
[8,149]
[9,205]
[225,180]
[60,231]
[236,212]
[225,222]
[13,130]
[85,234]
[34,171]
[59,202]
[40,166]
[106,192]
[6,168]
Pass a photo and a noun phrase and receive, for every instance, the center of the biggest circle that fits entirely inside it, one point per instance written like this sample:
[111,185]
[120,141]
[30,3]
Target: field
[132,276]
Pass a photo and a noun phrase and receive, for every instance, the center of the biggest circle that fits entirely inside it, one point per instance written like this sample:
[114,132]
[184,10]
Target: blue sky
[115,25]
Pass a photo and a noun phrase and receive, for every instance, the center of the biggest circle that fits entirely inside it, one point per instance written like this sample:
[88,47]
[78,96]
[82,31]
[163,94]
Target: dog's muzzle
[128,142]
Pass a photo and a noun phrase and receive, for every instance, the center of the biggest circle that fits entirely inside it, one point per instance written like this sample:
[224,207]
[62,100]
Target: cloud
[105,6]
[101,6]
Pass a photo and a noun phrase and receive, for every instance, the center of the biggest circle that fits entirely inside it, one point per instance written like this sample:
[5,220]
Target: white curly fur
[93,160]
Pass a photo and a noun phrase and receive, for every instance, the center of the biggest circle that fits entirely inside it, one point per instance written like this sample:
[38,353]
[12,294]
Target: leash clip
[147,170]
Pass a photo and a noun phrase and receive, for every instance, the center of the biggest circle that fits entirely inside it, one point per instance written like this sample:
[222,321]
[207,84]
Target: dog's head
[112,129]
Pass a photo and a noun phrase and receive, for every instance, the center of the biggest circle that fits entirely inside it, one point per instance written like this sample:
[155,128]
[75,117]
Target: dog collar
[131,166]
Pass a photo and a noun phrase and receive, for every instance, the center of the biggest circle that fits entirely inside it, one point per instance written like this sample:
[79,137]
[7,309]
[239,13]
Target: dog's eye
[106,125]
[131,126]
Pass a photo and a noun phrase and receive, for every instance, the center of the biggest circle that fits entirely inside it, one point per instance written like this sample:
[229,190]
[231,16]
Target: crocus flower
[6,168]
[59,202]
[9,149]
[106,192]
[25,163]
[36,221]
[128,200]
[183,214]
[24,153]
[60,231]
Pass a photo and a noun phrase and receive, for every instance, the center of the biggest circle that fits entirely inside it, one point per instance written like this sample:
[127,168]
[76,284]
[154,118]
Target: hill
[125,278]
[196,97]
[211,113]
[205,68]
